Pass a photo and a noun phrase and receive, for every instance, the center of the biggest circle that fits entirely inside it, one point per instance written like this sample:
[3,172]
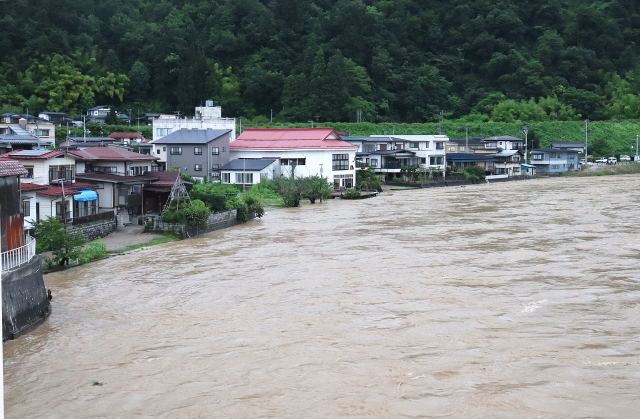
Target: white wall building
[313,151]
[430,149]
[206,117]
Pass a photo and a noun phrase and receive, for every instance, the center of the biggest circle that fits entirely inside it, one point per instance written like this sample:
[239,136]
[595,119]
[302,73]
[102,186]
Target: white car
[625,158]
[601,160]
[612,160]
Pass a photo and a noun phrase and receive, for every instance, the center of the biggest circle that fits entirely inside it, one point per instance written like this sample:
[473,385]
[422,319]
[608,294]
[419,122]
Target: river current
[507,300]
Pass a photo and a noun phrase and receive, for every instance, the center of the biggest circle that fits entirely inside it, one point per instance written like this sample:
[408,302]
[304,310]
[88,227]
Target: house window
[246,178]
[61,172]
[374,162]
[439,146]
[226,178]
[462,148]
[215,151]
[29,174]
[452,148]
[399,146]
[41,132]
[368,148]
[423,160]
[137,170]
[164,148]
[340,161]
[197,168]
[436,160]
[383,147]
[224,149]
[175,150]
[501,171]
[414,145]
[215,167]
[426,145]
[67,214]
[26,208]
[536,157]
[555,166]
[490,165]
[291,162]
[103,169]
[215,175]
[163,131]
[197,151]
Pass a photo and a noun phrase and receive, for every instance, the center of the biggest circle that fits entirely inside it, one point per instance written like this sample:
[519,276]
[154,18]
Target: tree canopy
[327,60]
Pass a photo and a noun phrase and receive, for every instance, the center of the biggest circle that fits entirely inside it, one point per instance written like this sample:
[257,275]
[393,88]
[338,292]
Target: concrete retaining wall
[95,230]
[24,298]
[216,221]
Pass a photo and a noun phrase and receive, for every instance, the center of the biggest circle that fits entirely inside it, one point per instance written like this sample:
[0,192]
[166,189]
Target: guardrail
[16,257]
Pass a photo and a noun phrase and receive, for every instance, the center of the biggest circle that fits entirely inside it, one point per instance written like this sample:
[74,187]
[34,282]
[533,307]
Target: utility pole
[586,140]
[466,138]
[130,116]
[84,127]
[440,124]
[636,159]
[525,131]
[272,116]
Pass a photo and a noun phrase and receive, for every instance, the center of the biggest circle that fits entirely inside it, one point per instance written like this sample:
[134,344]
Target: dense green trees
[327,60]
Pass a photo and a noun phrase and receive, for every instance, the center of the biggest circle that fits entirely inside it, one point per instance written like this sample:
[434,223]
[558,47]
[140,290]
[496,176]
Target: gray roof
[555,144]
[30,153]
[192,136]
[554,150]
[94,139]
[468,157]
[251,165]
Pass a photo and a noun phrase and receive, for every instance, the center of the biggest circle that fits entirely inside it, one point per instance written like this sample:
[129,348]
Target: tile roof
[110,153]
[290,138]
[192,136]
[11,168]
[163,178]
[126,135]
[56,191]
[25,187]
[113,178]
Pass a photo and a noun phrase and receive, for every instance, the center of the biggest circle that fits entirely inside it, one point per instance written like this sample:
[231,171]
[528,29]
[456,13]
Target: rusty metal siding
[11,218]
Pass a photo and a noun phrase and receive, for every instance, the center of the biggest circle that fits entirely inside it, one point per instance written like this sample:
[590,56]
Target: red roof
[126,135]
[56,191]
[11,168]
[110,153]
[25,187]
[164,178]
[83,185]
[290,138]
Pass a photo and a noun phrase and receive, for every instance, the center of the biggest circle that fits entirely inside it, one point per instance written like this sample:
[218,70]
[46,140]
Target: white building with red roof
[313,151]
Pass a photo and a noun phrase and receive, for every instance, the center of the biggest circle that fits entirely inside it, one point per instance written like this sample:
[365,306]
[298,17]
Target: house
[206,117]
[28,125]
[98,113]
[551,160]
[118,176]
[503,142]
[26,141]
[24,296]
[155,193]
[56,118]
[311,151]
[558,145]
[461,161]
[127,137]
[507,162]
[430,149]
[199,153]
[465,145]
[249,171]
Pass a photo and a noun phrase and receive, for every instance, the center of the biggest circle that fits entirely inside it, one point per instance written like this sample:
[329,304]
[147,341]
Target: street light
[525,130]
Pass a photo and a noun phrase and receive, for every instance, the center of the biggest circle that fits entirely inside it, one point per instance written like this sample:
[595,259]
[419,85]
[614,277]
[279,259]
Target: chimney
[23,123]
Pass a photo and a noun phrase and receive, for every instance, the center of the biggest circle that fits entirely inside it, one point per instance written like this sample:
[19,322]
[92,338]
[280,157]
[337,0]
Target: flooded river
[511,300]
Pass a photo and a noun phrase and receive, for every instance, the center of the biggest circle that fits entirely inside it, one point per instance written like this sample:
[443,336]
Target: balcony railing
[16,257]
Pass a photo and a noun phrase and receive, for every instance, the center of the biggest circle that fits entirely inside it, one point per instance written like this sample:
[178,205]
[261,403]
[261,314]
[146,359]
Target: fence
[16,257]
[94,217]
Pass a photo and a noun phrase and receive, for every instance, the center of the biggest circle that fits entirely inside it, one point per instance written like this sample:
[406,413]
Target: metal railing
[16,257]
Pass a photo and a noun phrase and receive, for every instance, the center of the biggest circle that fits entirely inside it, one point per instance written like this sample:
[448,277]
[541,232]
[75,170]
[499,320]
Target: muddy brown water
[506,300]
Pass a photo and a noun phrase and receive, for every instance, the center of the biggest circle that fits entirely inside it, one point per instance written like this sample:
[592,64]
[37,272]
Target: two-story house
[206,117]
[311,151]
[430,149]
[28,125]
[503,142]
[552,160]
[98,113]
[199,153]
[507,162]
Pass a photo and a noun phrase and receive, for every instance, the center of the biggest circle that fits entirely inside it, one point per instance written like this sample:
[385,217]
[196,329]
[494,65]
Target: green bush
[214,195]
[367,179]
[351,194]
[193,213]
[95,250]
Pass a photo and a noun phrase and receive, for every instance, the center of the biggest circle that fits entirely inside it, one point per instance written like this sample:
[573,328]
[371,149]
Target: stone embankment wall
[24,298]
[95,230]
[216,221]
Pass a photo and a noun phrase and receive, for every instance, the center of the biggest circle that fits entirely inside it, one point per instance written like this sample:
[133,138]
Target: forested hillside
[327,60]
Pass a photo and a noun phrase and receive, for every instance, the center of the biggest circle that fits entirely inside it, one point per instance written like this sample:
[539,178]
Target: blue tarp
[86,196]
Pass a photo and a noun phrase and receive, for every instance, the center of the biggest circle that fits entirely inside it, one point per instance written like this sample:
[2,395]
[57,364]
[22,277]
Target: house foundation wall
[217,221]
[96,230]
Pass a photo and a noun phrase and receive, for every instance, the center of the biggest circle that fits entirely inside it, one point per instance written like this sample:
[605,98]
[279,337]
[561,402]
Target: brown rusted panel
[15,231]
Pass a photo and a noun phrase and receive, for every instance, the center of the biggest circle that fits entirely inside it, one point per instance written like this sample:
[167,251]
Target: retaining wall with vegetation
[95,230]
[216,221]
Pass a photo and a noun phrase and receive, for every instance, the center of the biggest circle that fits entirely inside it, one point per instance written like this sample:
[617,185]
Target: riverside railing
[16,257]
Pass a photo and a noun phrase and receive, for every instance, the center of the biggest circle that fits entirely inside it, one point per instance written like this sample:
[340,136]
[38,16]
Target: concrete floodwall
[216,221]
[24,298]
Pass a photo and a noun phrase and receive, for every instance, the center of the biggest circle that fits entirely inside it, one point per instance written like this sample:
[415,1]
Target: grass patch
[625,169]
[158,240]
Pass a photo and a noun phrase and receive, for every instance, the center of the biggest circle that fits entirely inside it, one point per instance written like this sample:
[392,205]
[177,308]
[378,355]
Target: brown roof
[83,185]
[110,153]
[56,191]
[11,168]
[126,135]
[32,154]
[163,178]
[25,187]
[110,177]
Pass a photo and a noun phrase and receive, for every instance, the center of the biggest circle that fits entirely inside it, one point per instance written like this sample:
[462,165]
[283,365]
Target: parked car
[625,158]
[612,160]
[601,160]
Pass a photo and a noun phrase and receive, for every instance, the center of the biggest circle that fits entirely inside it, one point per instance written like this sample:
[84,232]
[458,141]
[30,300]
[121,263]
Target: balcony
[16,257]
[361,165]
